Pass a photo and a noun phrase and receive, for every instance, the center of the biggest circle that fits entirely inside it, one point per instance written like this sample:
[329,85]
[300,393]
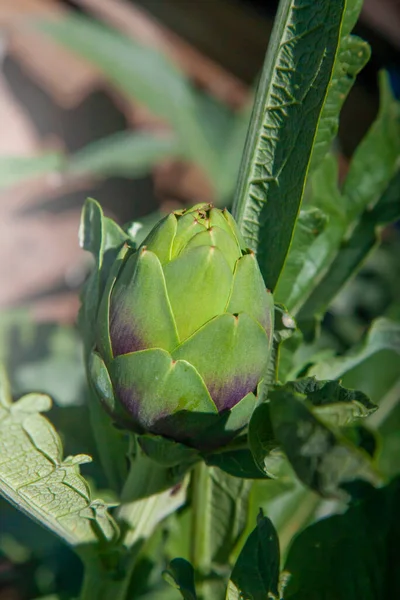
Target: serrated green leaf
[256,573]
[180,574]
[323,459]
[353,9]
[126,154]
[352,56]
[17,169]
[287,109]
[36,479]
[332,402]
[349,556]
[383,335]
[375,161]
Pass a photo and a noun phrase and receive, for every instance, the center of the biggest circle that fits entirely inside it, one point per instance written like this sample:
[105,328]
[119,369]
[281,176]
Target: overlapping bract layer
[184,330]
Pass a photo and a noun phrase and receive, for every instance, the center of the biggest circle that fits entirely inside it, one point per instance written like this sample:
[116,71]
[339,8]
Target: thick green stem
[201,530]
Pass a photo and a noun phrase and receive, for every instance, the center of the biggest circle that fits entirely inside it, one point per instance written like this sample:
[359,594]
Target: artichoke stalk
[184,331]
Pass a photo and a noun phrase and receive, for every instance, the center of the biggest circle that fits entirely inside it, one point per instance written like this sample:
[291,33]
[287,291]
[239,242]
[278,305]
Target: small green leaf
[166,452]
[125,154]
[180,575]
[256,573]
[287,109]
[262,440]
[349,556]
[383,335]
[36,479]
[238,463]
[323,459]
[332,402]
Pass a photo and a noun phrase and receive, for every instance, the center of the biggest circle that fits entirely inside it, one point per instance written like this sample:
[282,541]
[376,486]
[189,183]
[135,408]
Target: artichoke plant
[184,331]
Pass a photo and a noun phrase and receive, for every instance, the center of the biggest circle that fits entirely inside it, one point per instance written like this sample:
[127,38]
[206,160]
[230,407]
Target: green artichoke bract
[184,331]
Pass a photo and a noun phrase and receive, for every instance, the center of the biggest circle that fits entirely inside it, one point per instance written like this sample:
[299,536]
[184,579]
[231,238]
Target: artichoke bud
[184,331]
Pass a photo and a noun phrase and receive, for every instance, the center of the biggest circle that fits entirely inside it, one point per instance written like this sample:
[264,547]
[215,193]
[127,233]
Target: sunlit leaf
[352,56]
[36,478]
[287,109]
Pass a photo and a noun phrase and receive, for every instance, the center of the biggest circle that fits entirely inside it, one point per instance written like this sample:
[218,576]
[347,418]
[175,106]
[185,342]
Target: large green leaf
[36,478]
[383,335]
[126,154]
[287,109]
[349,556]
[352,56]
[256,573]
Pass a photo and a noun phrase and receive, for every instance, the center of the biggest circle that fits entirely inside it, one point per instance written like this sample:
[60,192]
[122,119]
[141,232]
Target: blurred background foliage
[144,106]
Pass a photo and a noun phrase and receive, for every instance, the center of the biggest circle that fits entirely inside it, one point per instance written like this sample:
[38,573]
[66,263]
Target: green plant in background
[218,494]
